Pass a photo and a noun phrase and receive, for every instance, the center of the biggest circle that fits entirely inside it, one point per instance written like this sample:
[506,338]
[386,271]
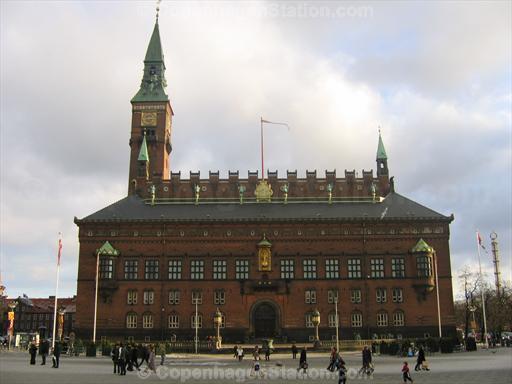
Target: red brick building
[267,253]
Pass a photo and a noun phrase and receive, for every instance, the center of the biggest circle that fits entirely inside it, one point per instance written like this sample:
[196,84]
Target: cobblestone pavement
[467,367]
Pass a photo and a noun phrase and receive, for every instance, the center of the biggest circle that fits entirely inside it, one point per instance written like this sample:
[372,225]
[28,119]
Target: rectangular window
[398,319]
[197,297]
[242,269]
[174,269]
[309,320]
[424,266]
[332,296]
[131,269]
[287,269]
[220,269]
[332,320]
[174,321]
[149,297]
[106,268]
[397,267]
[151,270]
[398,296]
[174,297]
[377,268]
[196,320]
[380,295]
[357,320]
[197,269]
[219,297]
[332,269]
[354,268]
[355,296]
[132,297]
[310,296]
[309,266]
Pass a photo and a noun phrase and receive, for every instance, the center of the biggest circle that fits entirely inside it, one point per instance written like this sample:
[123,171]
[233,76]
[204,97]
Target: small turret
[382,159]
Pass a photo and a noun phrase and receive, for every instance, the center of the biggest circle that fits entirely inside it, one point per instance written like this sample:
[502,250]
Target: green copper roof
[143,153]
[381,151]
[265,242]
[154,52]
[107,249]
[422,246]
[152,87]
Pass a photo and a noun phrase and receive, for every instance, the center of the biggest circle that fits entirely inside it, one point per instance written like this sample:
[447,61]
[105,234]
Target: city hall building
[267,252]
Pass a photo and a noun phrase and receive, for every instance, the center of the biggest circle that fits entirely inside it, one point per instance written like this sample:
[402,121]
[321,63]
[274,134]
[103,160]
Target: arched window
[356,319]
[398,319]
[331,319]
[382,319]
[424,266]
[196,320]
[131,320]
[147,320]
[174,321]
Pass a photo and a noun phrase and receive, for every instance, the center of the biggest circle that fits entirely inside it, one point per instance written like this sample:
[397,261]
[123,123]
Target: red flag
[480,241]
[60,250]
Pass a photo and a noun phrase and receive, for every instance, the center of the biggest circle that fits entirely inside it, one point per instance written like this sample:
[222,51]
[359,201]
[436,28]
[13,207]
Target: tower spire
[152,87]
[382,158]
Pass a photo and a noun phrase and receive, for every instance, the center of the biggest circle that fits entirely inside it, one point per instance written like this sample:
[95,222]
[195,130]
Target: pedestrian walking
[235,348]
[240,353]
[44,349]
[57,349]
[421,360]
[134,354]
[33,352]
[151,358]
[303,361]
[256,353]
[367,361]
[332,359]
[294,351]
[342,373]
[267,353]
[122,360]
[114,354]
[406,374]
[161,352]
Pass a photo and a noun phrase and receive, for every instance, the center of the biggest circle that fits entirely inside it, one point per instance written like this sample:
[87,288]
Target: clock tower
[150,138]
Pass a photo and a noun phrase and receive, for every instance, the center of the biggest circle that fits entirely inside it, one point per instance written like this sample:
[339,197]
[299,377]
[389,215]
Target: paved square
[475,367]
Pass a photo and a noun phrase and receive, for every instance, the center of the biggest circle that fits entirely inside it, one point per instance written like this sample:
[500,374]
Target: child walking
[406,373]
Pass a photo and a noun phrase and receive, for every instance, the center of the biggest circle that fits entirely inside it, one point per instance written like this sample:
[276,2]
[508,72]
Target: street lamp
[217,320]
[315,319]
[11,321]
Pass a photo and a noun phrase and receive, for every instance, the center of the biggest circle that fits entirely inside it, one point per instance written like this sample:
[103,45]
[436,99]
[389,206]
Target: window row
[356,319]
[173,321]
[219,270]
[174,297]
[397,296]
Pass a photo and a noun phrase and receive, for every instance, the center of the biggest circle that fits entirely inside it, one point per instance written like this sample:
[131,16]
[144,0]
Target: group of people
[238,352]
[126,357]
[44,350]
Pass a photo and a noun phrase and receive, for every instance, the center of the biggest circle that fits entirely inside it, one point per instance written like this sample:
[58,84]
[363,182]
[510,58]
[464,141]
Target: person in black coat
[115,356]
[303,360]
[134,354]
[420,359]
[57,349]
[33,352]
[44,349]
[294,351]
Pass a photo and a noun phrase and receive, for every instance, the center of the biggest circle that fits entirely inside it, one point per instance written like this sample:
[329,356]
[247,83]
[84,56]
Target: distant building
[36,315]
[266,253]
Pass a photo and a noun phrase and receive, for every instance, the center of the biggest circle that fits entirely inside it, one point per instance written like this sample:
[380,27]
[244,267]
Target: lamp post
[315,319]
[437,294]
[217,320]
[337,323]
[98,252]
[472,309]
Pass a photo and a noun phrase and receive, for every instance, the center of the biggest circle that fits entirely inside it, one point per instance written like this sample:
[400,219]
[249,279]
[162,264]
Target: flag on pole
[274,122]
[480,241]
[60,250]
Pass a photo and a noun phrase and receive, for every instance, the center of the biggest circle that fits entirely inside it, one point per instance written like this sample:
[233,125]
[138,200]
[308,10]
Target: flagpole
[337,325]
[262,165]
[478,244]
[56,291]
[196,338]
[96,296]
[437,294]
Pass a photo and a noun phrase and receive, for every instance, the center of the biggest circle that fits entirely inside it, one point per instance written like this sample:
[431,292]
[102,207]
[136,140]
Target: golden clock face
[148,119]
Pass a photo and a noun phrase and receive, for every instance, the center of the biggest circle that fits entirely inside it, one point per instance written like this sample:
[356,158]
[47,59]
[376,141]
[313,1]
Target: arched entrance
[264,320]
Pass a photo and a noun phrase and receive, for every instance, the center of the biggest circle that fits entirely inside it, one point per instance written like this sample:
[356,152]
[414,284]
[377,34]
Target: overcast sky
[436,76]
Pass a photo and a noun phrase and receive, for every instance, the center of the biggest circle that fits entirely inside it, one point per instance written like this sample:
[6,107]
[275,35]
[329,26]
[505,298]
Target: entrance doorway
[264,320]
